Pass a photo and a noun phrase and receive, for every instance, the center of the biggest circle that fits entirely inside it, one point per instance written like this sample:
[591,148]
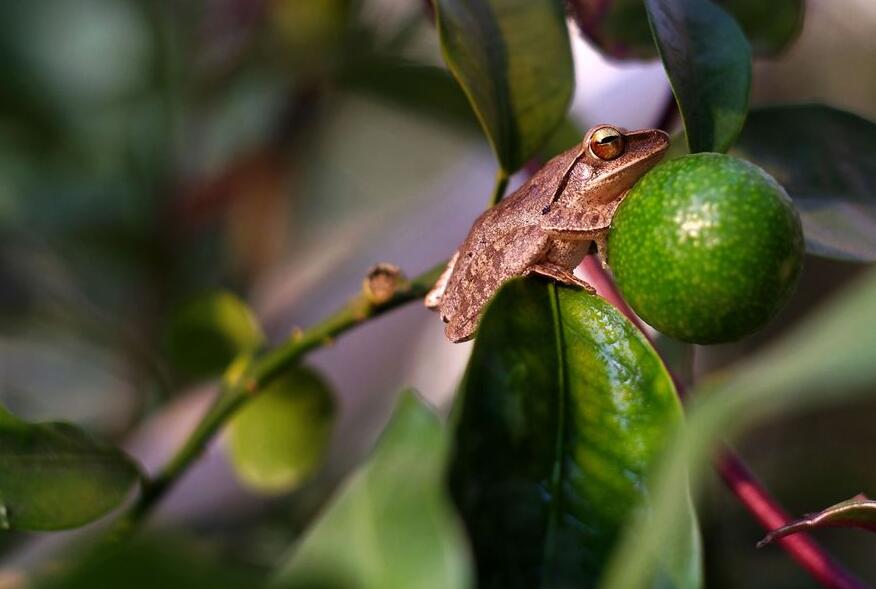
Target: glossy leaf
[826,160]
[619,28]
[708,61]
[391,525]
[827,359]
[857,512]
[206,333]
[513,60]
[564,406]
[279,438]
[55,476]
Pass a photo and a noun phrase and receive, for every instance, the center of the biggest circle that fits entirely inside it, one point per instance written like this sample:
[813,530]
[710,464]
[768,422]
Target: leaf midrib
[559,464]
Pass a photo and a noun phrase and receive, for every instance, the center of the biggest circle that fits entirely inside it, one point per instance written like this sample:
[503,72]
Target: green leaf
[826,160]
[513,60]
[208,332]
[147,563]
[564,406]
[619,28]
[708,62]
[770,26]
[826,359]
[55,476]
[391,525]
[279,438]
[857,512]
[423,88]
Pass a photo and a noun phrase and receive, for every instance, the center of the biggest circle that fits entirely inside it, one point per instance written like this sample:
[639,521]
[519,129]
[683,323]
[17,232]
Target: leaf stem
[739,479]
[258,373]
[499,187]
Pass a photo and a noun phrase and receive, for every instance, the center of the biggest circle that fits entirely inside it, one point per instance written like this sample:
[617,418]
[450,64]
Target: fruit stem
[735,474]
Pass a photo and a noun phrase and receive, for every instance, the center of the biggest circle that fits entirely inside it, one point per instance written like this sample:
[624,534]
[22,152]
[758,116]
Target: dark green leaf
[619,28]
[206,333]
[827,359]
[857,512]
[54,476]
[513,60]
[148,563]
[279,438]
[392,525]
[564,406]
[826,160]
[708,62]
[769,26]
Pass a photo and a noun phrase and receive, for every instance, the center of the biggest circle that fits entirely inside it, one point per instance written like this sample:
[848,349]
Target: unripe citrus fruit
[706,248]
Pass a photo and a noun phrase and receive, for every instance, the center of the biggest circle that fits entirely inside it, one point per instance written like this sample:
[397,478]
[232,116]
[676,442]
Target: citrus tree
[581,438]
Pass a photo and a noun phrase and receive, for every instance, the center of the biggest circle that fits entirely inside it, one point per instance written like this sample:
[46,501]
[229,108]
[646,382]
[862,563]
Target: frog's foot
[559,274]
[434,296]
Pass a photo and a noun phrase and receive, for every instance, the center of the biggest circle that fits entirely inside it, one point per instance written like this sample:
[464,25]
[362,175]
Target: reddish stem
[801,547]
[736,476]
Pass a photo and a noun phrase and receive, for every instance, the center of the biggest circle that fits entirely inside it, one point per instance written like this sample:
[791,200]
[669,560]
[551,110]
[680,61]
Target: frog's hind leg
[434,296]
[559,274]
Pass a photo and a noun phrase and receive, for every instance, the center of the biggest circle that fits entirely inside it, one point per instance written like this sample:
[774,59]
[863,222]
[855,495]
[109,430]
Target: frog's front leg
[434,296]
[560,274]
[598,236]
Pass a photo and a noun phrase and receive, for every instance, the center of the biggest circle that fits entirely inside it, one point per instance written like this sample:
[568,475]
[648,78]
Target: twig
[801,547]
[258,373]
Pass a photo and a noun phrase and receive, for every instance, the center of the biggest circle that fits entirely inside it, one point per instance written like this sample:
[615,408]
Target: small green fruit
[706,248]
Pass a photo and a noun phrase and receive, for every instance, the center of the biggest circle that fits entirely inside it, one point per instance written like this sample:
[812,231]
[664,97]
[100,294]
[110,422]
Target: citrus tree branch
[243,382]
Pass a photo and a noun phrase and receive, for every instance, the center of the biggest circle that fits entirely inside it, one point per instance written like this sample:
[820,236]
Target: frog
[547,226]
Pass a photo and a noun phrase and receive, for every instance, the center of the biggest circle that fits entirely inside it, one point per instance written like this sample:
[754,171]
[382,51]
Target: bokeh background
[153,150]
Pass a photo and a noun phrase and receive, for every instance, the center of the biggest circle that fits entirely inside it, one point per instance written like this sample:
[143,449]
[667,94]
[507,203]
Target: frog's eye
[607,143]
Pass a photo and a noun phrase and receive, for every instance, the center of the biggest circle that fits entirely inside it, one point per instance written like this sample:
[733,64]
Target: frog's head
[606,165]
[616,158]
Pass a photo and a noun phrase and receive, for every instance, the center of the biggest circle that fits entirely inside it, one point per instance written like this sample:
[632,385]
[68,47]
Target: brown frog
[548,225]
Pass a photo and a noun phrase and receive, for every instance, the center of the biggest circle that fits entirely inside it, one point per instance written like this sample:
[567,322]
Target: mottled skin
[547,226]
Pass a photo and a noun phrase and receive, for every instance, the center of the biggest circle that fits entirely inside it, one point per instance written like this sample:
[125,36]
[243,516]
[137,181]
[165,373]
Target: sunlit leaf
[708,61]
[206,333]
[564,406]
[619,28]
[827,359]
[279,438]
[55,476]
[857,512]
[391,525]
[513,59]
[826,160]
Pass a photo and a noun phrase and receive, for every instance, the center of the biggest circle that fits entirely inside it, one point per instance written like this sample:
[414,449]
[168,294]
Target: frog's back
[503,243]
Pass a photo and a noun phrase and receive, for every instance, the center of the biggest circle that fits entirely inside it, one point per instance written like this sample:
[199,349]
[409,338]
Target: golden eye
[607,143]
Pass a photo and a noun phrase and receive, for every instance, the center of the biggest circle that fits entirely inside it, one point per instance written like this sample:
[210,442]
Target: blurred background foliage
[151,151]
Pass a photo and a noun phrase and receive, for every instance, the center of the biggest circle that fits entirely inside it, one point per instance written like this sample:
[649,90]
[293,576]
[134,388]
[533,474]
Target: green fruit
[706,248]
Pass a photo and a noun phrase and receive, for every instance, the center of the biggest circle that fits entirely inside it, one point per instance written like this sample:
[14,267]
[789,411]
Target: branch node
[381,283]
